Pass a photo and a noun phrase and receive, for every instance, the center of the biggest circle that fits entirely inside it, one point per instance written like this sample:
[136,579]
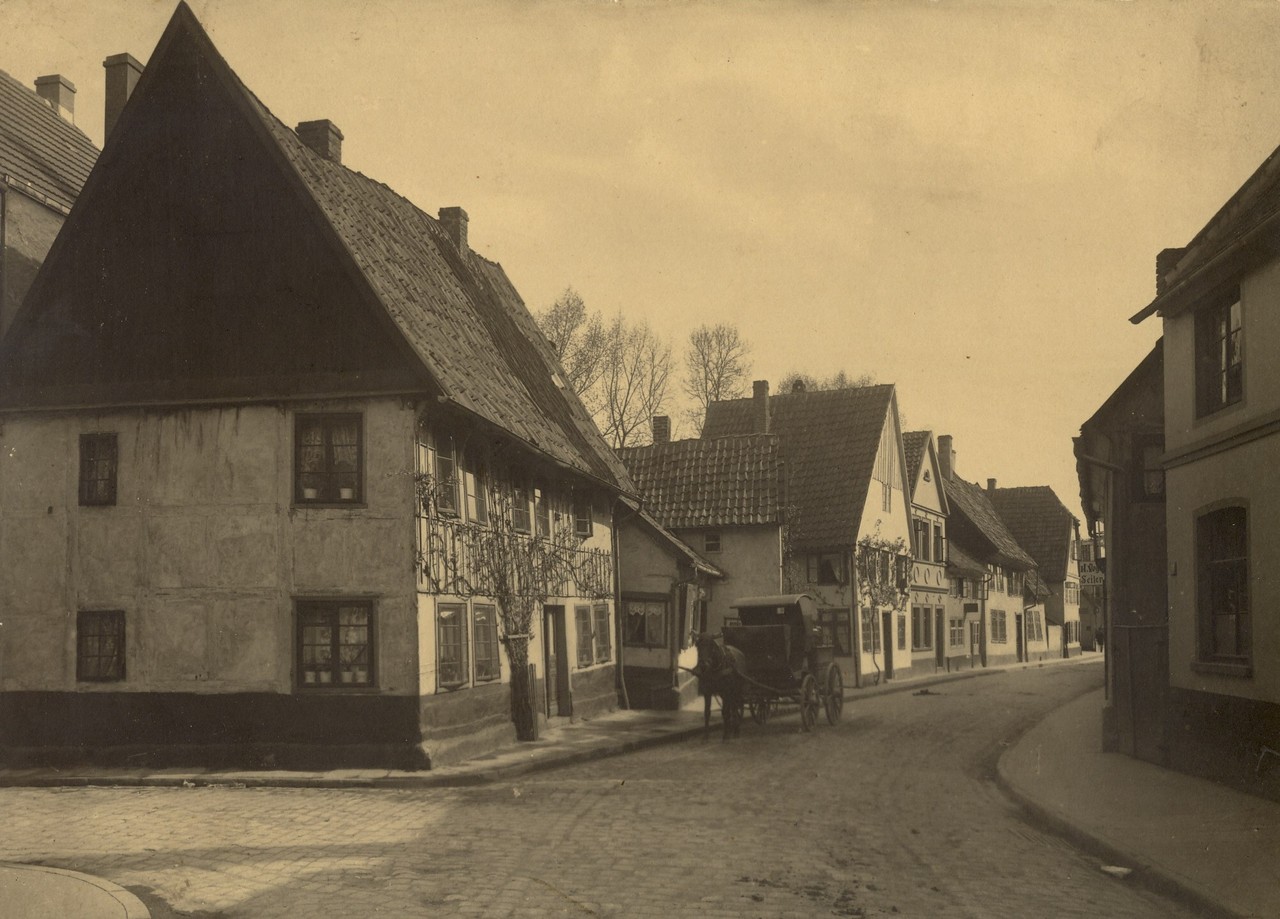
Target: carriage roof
[793,609]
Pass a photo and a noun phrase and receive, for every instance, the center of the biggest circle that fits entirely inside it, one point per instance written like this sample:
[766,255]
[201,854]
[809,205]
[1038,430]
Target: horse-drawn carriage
[774,650]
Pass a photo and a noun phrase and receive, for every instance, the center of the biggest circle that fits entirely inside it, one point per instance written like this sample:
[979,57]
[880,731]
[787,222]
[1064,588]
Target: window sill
[331,505]
[1223,668]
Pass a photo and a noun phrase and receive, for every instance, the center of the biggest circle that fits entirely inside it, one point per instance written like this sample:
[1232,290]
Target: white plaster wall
[204,550]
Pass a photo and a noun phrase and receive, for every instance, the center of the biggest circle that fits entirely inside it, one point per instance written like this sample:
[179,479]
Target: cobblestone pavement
[893,812]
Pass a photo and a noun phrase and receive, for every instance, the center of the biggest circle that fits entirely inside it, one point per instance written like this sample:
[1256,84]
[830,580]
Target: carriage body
[787,655]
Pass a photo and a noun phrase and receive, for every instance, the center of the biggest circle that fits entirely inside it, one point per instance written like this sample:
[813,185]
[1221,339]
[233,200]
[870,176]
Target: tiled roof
[962,563]
[973,514]
[1036,584]
[40,151]
[723,481]
[914,444]
[829,440]
[1040,523]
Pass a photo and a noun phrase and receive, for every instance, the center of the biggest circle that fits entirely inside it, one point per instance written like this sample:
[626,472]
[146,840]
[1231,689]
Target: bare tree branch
[717,366]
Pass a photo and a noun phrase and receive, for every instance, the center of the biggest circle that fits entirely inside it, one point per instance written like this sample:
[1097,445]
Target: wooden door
[556,654]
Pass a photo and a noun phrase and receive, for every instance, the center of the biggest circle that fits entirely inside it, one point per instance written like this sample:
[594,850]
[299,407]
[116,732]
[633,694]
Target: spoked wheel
[760,711]
[834,700]
[808,702]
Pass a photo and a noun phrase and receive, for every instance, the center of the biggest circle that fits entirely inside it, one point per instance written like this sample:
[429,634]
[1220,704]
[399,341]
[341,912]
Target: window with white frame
[955,633]
[603,641]
[484,630]
[1219,343]
[921,628]
[870,631]
[999,627]
[452,652]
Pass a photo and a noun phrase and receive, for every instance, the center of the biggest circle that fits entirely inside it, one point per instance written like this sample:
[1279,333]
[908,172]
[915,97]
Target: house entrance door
[940,637]
[975,641]
[888,646]
[555,651]
[1022,644]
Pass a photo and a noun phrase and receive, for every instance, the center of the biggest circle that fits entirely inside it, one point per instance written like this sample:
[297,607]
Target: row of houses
[288,474]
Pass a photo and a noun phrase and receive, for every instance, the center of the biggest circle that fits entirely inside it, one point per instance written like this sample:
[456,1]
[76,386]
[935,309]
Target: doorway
[888,645]
[940,636]
[975,643]
[1022,643]
[555,649]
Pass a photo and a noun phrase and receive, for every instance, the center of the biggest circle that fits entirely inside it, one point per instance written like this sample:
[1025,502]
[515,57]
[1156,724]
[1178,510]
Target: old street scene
[639,460]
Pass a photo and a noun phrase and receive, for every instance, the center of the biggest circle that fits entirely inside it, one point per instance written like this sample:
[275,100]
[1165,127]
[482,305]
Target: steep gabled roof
[723,481]
[914,444]
[974,518]
[829,440]
[41,152]
[455,314]
[1040,523]
[960,563]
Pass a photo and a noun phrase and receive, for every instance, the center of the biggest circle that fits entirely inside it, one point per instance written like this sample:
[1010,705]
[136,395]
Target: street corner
[41,892]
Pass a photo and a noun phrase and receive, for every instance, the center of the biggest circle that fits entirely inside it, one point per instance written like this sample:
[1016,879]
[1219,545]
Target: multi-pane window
[447,473]
[452,657]
[999,626]
[484,629]
[1222,598]
[827,568]
[604,646]
[1219,358]
[521,522]
[100,646]
[939,544]
[870,631]
[886,496]
[335,643]
[838,628]
[955,633]
[327,461]
[645,622]
[586,641]
[98,466]
[541,509]
[921,628]
[920,535]
[477,488]
[582,513]
[711,542]
[1071,592]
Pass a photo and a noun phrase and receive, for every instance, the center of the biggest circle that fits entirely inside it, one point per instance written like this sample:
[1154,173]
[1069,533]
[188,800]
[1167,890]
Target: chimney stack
[946,457]
[123,71]
[662,429]
[322,137]
[60,93]
[760,407]
[1166,261]
[991,486]
[453,220]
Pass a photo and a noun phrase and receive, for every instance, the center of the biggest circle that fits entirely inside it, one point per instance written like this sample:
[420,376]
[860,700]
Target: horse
[721,671]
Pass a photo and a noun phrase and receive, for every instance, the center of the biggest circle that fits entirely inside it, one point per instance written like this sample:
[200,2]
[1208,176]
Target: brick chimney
[662,429]
[123,71]
[946,457]
[323,137]
[1165,263]
[991,486]
[760,407]
[60,93]
[453,220]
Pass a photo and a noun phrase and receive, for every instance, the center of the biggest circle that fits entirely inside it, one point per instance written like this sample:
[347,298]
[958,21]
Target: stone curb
[132,906]
[1148,875]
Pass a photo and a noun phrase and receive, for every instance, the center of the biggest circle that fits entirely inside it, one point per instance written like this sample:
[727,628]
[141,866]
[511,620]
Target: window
[477,487]
[452,659]
[335,643]
[1071,633]
[838,626]
[939,544]
[484,628]
[586,641]
[646,622]
[446,473]
[902,632]
[711,542]
[1222,598]
[999,626]
[870,631]
[886,496]
[827,568]
[604,646]
[921,628]
[1015,583]
[582,514]
[1071,592]
[998,579]
[1219,358]
[541,509]
[521,522]
[100,646]
[1148,472]
[98,470]
[327,464]
[920,533]
[955,633]
[1035,626]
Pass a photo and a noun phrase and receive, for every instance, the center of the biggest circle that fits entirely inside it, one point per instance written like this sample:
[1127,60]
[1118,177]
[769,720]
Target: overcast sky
[964,199]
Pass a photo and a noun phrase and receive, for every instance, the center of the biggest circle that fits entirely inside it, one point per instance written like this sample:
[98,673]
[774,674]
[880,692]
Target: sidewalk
[1191,839]
[36,892]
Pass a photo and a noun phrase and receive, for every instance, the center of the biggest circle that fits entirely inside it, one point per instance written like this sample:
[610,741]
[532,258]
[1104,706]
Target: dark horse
[721,671]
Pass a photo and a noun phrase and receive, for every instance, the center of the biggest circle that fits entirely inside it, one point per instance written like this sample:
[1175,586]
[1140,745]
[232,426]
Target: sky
[964,199]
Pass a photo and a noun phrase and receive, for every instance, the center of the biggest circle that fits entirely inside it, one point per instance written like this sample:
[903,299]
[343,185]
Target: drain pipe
[617,599]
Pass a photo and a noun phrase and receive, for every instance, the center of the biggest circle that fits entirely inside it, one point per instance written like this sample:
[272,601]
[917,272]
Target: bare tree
[808,382]
[620,370]
[633,382]
[717,366]
[578,339]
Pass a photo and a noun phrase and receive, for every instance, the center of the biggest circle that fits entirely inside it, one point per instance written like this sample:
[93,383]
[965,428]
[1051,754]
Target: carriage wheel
[808,702]
[760,711]
[835,694]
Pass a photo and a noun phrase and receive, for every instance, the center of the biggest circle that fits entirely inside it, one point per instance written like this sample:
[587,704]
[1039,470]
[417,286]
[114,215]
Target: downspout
[617,601]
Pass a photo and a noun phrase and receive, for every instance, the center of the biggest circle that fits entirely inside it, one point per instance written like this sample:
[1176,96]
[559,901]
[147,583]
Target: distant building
[931,636]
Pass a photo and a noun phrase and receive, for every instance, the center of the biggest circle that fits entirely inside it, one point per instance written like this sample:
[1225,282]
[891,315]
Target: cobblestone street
[892,812]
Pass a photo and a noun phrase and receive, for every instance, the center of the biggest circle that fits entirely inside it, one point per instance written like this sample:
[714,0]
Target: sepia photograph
[639,458]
